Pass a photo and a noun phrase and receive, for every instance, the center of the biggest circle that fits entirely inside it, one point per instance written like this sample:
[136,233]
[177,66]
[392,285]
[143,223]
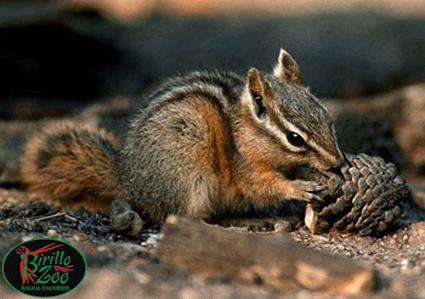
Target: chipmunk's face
[295,126]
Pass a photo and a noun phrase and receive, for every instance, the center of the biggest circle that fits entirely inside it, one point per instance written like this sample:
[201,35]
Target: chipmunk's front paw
[124,219]
[305,191]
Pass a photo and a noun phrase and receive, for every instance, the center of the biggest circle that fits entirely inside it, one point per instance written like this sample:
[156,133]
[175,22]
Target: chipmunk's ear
[287,68]
[260,92]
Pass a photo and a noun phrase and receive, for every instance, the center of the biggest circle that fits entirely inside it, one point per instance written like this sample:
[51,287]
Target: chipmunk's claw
[305,191]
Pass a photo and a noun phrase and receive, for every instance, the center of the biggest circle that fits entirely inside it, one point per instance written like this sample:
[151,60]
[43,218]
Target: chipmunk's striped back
[223,87]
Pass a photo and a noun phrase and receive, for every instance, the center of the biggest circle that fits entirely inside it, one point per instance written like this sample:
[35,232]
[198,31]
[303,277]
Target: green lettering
[44,270]
[26,258]
[67,260]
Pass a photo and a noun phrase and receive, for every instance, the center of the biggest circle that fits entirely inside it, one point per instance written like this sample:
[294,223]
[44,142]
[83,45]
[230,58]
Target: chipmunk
[204,144]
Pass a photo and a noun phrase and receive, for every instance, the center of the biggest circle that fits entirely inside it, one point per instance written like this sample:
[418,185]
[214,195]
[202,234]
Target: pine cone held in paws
[365,198]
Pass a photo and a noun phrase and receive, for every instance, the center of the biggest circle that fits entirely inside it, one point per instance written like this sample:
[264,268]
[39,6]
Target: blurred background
[58,58]
[83,50]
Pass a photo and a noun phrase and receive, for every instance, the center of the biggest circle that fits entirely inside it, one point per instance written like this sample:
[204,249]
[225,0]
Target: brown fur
[204,145]
[74,164]
[208,143]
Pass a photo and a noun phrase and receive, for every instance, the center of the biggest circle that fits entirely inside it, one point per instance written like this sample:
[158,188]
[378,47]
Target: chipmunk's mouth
[335,169]
[330,171]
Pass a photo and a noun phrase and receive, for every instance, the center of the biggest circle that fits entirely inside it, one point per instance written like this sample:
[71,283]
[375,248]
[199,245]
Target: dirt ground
[127,267]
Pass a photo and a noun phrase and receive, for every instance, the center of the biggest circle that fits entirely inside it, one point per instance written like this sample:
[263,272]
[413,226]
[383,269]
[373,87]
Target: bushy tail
[74,164]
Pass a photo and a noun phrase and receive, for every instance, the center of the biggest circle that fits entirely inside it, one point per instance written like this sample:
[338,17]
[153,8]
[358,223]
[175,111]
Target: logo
[44,267]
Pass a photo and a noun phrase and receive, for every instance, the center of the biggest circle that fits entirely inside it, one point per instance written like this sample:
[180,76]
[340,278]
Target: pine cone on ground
[365,198]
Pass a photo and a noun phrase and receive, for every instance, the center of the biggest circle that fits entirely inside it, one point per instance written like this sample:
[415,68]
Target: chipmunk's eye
[260,110]
[295,139]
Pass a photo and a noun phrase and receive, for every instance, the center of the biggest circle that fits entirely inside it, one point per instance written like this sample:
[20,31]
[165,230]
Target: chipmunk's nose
[337,164]
[342,161]
[336,167]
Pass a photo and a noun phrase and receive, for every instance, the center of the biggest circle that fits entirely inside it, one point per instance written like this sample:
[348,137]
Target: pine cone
[365,198]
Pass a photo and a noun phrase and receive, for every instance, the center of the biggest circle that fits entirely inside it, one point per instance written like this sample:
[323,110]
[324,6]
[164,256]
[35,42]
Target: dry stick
[51,216]
[274,261]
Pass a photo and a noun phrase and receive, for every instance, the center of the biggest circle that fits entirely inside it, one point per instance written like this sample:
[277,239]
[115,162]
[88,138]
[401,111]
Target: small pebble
[141,277]
[79,236]
[406,263]
[52,232]
[152,240]
[283,226]
[101,248]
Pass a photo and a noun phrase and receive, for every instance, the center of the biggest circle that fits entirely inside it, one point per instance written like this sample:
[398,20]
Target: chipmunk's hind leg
[200,198]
